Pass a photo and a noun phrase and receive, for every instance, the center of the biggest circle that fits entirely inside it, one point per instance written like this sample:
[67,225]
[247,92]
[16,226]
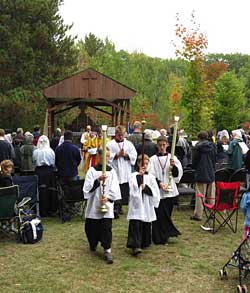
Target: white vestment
[112,192]
[121,165]
[159,167]
[141,207]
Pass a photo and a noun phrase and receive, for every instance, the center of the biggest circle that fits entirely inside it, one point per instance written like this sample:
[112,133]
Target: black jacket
[150,148]
[203,161]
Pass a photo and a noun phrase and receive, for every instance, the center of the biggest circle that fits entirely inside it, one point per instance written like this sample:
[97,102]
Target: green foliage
[22,108]
[35,49]
[229,105]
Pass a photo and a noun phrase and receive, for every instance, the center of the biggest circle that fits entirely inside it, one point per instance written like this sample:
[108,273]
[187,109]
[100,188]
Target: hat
[237,133]
[148,134]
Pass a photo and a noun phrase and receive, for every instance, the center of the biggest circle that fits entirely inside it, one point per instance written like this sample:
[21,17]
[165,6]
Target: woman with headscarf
[26,151]
[44,161]
[222,148]
[235,151]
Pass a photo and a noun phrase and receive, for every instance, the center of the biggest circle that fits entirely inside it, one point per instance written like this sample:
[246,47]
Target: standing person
[234,151]
[150,148]
[203,162]
[122,157]
[68,158]
[98,225]
[36,134]
[163,227]
[136,136]
[55,139]
[245,206]
[44,162]
[26,151]
[5,148]
[95,144]
[144,197]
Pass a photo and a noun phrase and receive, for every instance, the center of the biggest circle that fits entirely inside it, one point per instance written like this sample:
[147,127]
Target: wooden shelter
[89,88]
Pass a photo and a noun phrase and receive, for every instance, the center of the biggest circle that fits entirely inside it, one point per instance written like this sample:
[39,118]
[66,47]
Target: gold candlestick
[170,175]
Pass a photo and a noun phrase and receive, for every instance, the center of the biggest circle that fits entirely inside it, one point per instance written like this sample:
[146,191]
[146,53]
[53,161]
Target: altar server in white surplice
[160,163]
[98,225]
[144,198]
[122,157]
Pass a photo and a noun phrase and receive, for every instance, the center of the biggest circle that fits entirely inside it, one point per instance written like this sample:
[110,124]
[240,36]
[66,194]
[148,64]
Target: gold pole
[170,175]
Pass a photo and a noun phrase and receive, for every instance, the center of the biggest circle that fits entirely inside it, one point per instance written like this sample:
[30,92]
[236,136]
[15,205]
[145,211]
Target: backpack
[31,231]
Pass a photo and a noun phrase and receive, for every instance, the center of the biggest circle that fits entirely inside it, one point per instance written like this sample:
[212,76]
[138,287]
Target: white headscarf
[237,133]
[43,142]
[224,133]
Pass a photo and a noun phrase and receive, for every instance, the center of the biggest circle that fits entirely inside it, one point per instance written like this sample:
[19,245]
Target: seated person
[6,168]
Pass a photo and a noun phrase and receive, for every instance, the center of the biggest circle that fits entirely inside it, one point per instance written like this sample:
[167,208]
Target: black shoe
[136,251]
[193,218]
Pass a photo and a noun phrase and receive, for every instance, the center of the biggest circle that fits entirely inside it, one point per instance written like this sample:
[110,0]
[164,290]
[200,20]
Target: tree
[35,47]
[93,45]
[229,102]
[195,96]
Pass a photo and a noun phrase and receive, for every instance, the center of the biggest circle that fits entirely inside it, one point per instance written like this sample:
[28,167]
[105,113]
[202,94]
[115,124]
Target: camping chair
[222,175]
[28,187]
[224,208]
[240,175]
[9,220]
[186,186]
[69,193]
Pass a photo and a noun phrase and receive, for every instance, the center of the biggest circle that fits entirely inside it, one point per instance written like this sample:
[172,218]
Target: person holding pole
[101,189]
[168,171]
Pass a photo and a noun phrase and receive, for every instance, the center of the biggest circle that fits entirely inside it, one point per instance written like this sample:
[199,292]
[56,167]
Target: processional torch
[170,175]
[104,208]
[143,123]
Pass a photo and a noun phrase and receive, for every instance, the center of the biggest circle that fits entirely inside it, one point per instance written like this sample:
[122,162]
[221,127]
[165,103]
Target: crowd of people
[140,173]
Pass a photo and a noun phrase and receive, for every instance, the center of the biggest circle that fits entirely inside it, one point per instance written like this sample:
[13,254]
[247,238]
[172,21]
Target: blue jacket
[68,158]
[245,206]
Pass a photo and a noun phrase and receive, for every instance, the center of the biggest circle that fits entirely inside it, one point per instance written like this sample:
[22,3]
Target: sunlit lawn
[61,262]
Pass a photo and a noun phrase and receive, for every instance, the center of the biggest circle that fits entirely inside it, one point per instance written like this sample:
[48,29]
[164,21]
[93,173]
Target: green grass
[61,262]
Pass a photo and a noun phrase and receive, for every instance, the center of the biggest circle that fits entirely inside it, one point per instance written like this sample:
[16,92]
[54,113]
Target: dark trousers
[139,234]
[124,188]
[99,230]
[47,190]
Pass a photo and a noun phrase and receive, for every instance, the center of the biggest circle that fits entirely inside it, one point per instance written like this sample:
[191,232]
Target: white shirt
[159,167]
[112,192]
[141,207]
[122,166]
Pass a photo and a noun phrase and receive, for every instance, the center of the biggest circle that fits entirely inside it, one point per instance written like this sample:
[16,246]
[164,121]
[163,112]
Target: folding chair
[9,220]
[28,187]
[225,207]
[222,175]
[70,192]
[186,186]
[240,175]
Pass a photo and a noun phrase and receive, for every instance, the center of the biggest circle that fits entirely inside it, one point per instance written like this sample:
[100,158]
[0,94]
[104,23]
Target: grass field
[61,262]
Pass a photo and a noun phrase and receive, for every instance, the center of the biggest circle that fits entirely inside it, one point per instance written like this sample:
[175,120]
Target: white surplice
[112,192]
[159,167]
[122,166]
[141,207]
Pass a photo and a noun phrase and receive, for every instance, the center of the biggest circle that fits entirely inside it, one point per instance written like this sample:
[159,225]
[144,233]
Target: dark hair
[203,135]
[36,127]
[162,138]
[68,135]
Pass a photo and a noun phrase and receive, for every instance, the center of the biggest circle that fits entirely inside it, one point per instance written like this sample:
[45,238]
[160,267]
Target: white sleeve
[180,170]
[89,182]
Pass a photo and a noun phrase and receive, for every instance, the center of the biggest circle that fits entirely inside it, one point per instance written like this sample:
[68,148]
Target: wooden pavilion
[89,88]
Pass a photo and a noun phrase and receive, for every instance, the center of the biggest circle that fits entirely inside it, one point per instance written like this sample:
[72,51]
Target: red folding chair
[224,212]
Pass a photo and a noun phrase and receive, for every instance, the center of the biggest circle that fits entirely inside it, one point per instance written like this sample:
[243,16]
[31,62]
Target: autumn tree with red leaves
[195,97]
